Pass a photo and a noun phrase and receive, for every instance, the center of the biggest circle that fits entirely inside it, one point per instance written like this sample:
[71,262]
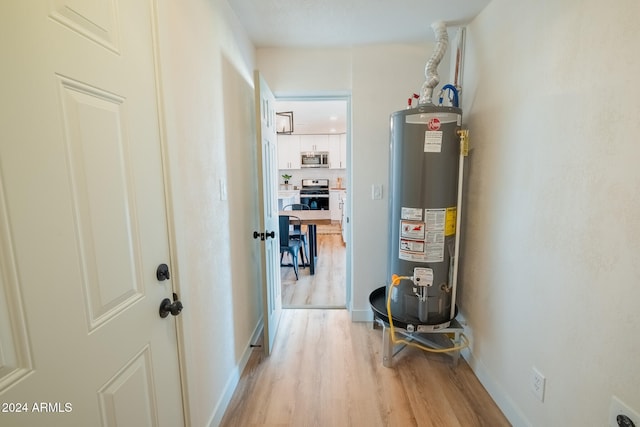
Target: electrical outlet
[538,382]
[621,415]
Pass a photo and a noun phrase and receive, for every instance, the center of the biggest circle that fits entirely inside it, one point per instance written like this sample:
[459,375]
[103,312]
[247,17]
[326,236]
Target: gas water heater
[424,174]
[417,307]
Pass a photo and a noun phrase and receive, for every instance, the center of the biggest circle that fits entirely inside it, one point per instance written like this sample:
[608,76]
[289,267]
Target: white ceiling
[327,23]
[316,116]
[342,23]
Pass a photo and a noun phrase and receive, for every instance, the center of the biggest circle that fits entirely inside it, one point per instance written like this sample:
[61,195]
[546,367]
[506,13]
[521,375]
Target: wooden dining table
[309,227]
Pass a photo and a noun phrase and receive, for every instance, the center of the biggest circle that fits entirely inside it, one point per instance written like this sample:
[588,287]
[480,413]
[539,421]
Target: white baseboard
[510,410]
[234,378]
[362,315]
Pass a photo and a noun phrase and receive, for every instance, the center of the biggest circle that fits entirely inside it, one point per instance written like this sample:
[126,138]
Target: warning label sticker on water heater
[412,230]
[435,219]
[412,240]
[433,141]
[422,237]
[411,213]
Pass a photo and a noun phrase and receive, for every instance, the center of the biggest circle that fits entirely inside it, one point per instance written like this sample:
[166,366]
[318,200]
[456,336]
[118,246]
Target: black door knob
[162,272]
[168,307]
[264,236]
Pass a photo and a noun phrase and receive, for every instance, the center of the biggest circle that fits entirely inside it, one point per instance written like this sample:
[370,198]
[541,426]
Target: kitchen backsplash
[297,175]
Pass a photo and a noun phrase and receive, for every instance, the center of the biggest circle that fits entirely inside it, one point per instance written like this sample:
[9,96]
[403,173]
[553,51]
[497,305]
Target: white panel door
[268,165]
[83,219]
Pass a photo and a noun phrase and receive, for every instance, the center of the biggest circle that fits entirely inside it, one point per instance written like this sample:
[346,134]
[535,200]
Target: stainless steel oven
[315,194]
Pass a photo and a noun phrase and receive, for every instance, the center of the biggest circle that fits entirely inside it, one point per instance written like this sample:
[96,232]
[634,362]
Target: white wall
[550,265]
[297,71]
[206,65]
[383,78]
[379,78]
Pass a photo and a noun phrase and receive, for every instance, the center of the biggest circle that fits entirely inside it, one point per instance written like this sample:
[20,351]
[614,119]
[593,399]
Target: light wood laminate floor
[327,371]
[327,287]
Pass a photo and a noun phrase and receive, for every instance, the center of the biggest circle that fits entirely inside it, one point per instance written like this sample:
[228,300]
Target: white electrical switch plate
[223,189]
[376,192]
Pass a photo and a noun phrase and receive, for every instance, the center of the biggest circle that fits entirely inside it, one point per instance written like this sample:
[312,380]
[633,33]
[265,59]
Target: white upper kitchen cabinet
[314,143]
[288,151]
[338,151]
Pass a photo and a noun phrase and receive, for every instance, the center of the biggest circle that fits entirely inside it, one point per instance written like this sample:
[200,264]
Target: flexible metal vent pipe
[431,69]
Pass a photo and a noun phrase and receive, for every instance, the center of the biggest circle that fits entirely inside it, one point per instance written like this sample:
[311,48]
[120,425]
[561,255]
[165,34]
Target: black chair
[288,244]
[296,232]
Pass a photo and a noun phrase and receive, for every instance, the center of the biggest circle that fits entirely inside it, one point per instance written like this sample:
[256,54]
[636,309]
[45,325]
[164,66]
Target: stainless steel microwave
[316,159]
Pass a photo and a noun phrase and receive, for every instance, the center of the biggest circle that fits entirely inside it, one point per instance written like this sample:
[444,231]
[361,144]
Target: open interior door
[268,171]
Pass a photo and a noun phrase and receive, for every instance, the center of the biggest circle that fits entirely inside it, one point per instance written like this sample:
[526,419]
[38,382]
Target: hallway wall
[207,63]
[552,233]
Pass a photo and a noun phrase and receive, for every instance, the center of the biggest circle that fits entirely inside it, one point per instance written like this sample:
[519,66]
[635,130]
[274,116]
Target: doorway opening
[313,159]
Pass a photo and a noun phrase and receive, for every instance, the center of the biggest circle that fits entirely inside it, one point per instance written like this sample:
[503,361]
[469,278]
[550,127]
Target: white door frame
[338,97]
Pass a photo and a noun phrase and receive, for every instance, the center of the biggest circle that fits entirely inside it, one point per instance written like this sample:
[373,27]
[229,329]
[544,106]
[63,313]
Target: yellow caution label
[450,221]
